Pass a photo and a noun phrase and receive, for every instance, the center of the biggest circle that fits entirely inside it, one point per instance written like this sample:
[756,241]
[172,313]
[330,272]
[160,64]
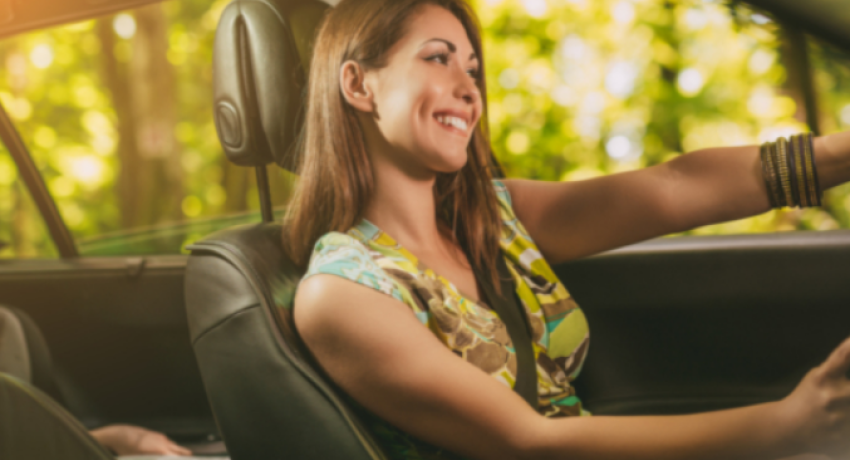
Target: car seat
[269,399]
[24,352]
[33,425]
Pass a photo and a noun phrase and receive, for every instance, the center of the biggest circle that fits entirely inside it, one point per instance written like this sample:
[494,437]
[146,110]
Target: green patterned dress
[368,256]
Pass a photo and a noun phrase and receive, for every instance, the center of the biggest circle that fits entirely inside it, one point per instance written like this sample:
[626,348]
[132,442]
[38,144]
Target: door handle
[135,266]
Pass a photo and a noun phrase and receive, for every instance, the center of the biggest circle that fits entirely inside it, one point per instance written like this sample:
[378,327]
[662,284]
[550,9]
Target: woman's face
[425,104]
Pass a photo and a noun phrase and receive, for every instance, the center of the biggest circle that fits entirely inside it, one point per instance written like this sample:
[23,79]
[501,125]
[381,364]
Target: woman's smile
[453,124]
[454,121]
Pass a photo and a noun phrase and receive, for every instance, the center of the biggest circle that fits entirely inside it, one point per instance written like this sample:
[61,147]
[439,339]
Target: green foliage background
[117,111]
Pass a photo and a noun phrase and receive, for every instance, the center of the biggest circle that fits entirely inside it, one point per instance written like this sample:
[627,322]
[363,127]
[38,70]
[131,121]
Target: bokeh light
[623,12]
[124,25]
[690,82]
[87,169]
[535,8]
[618,147]
[41,56]
[620,79]
[845,115]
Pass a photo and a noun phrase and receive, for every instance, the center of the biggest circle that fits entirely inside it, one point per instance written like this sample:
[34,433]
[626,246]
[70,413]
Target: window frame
[59,232]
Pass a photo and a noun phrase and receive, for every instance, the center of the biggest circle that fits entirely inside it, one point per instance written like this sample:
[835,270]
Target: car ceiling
[828,19]
[22,15]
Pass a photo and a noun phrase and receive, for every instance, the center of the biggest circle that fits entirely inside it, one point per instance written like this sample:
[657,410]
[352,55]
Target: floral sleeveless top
[560,335]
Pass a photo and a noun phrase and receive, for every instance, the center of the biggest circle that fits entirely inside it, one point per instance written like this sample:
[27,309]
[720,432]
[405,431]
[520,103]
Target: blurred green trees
[117,114]
[581,88]
[117,111]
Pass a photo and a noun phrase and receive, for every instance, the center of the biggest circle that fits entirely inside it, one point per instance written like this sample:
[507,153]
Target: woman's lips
[453,129]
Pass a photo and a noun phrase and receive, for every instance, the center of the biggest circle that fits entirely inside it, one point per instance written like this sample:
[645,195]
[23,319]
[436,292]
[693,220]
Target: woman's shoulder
[336,252]
[333,242]
[342,255]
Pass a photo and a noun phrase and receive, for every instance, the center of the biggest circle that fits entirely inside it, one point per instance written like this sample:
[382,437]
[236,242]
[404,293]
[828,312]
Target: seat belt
[513,315]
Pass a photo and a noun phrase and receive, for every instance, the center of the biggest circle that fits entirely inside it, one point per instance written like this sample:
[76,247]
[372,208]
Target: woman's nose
[466,88]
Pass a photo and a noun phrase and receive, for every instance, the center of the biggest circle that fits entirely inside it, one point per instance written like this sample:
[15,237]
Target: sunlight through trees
[117,111]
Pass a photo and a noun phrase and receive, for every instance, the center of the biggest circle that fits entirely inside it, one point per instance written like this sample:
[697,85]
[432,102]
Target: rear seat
[33,425]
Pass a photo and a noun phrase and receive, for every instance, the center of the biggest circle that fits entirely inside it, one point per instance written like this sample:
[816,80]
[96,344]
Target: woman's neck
[404,207]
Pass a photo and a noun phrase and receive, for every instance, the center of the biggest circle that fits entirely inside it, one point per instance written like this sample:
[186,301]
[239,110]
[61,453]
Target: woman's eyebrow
[452,47]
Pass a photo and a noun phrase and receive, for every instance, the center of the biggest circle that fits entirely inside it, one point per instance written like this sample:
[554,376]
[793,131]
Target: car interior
[203,347]
[31,400]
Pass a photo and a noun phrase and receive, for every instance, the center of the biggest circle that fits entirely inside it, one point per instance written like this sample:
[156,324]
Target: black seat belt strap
[514,317]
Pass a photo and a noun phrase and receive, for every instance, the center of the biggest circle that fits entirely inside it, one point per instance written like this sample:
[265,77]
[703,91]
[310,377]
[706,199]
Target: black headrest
[260,61]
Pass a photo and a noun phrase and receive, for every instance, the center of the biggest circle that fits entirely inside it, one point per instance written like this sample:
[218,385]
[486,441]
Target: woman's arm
[376,350]
[569,220]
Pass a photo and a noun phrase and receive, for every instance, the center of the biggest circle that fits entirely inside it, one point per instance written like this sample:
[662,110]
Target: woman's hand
[819,408]
[134,440]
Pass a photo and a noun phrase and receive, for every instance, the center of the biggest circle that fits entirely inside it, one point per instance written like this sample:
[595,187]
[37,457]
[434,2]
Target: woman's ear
[352,81]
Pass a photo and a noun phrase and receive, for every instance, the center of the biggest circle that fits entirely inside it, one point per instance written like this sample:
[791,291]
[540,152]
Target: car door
[710,322]
[115,325]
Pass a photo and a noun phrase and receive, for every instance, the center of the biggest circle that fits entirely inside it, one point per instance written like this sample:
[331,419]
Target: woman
[396,196]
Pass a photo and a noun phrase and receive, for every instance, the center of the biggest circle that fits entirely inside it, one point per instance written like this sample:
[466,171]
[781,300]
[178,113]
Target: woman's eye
[443,58]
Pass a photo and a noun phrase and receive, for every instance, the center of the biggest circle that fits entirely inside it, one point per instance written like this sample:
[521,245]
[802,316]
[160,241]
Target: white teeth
[453,121]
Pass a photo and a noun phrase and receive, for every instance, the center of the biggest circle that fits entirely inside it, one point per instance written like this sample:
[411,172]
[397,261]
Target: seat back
[268,397]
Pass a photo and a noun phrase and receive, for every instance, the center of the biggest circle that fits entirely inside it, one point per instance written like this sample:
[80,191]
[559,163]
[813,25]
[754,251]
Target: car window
[582,88]
[23,233]
[116,113]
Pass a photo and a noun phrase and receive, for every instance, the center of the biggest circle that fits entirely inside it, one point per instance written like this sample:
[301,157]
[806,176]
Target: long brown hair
[336,182]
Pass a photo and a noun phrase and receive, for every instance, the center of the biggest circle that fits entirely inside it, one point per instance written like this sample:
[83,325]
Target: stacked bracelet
[769,174]
[789,171]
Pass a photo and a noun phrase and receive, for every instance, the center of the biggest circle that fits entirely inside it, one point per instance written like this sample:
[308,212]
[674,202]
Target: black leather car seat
[269,401]
[33,424]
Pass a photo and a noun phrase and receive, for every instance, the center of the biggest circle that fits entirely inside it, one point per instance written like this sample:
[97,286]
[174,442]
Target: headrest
[260,61]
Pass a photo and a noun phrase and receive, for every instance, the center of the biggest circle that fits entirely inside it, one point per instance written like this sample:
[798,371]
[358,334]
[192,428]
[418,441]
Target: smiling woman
[412,250]
[413,118]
